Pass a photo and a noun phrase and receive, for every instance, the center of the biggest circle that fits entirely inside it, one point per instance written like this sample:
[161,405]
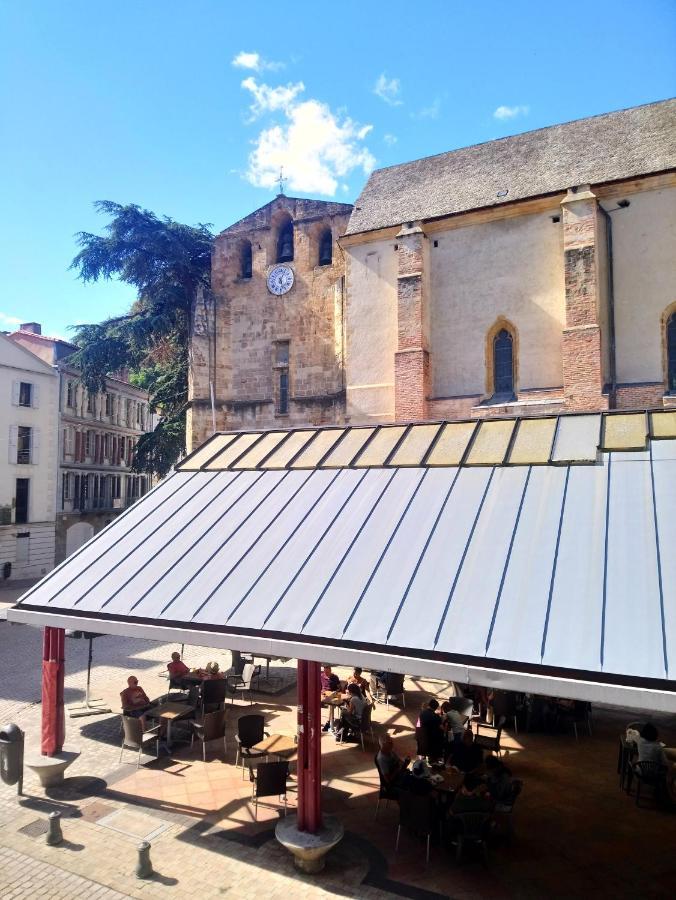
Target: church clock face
[280,280]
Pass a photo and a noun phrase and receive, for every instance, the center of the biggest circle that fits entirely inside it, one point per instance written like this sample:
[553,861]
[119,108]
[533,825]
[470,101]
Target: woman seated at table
[416,779]
[134,700]
[650,749]
[350,717]
[472,796]
[498,780]
[466,756]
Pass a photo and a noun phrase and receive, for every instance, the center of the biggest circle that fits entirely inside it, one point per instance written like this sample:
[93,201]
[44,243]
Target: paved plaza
[576,832]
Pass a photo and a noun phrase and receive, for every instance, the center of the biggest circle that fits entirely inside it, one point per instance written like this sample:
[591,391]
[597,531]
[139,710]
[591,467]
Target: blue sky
[189,108]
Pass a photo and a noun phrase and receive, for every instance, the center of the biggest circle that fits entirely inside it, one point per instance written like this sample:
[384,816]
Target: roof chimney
[33,327]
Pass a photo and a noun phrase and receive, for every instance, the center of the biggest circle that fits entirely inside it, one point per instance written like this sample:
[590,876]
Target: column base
[50,769]
[309,850]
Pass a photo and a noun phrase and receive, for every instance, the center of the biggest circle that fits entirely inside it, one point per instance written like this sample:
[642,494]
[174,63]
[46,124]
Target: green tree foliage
[169,265]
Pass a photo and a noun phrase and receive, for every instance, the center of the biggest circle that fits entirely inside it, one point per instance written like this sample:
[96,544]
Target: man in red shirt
[177,669]
[134,699]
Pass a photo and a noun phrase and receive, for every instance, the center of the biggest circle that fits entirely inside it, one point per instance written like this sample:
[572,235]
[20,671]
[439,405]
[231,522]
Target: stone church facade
[528,275]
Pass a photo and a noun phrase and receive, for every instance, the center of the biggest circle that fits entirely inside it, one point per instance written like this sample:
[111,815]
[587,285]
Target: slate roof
[299,208]
[609,147]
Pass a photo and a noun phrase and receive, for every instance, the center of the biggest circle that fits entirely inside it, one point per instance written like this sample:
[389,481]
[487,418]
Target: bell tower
[267,350]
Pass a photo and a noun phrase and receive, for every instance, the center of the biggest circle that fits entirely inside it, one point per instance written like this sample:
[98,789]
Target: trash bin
[11,755]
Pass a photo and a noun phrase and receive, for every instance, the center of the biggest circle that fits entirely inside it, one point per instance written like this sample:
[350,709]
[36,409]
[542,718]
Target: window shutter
[97,447]
[77,446]
[13,442]
[16,388]
[35,445]
[35,395]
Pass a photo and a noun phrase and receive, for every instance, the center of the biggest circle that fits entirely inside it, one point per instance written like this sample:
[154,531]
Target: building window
[90,402]
[23,549]
[88,443]
[70,394]
[326,248]
[21,509]
[246,260]
[285,242]
[109,404]
[671,354]
[129,419]
[503,364]
[116,487]
[23,445]
[282,377]
[25,394]
[65,489]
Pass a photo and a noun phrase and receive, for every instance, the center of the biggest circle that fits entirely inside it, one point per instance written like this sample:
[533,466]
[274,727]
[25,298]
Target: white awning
[557,578]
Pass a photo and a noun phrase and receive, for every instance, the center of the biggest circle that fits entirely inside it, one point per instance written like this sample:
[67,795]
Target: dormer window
[285,242]
[326,248]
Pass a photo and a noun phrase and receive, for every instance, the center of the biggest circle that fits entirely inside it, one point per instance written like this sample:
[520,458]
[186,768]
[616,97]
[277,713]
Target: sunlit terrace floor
[576,833]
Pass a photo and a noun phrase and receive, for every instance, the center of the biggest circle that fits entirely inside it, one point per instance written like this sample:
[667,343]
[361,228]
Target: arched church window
[326,248]
[285,242]
[246,260]
[671,354]
[503,363]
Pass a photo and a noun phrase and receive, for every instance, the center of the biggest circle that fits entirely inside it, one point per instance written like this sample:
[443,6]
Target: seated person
[472,796]
[356,678]
[330,681]
[177,670]
[350,718]
[455,722]
[415,780]
[466,756]
[431,726]
[498,780]
[134,699]
[649,748]
[390,765]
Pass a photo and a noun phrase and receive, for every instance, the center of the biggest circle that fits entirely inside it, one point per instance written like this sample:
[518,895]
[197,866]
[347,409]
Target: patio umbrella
[89,707]
[53,717]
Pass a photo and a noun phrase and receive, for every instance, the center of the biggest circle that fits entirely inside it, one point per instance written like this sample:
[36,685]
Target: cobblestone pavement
[22,876]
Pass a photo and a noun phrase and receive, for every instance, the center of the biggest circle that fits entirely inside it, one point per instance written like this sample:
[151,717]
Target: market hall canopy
[534,554]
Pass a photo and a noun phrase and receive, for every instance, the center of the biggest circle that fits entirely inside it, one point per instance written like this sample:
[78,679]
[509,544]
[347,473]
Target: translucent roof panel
[286,451]
[260,450]
[625,431]
[533,442]
[577,439]
[348,448]
[663,424]
[380,447]
[414,446]
[232,451]
[452,443]
[317,448]
[491,443]
[206,452]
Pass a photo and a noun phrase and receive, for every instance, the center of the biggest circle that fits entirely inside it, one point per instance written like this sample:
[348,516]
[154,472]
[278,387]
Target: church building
[530,275]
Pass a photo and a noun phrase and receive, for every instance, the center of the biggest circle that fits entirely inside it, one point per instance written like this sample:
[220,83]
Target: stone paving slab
[24,876]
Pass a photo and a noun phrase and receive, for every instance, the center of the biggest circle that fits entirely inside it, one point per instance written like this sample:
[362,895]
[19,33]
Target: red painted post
[309,747]
[53,712]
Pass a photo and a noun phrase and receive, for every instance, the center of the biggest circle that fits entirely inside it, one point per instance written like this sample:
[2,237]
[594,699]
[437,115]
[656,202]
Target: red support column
[309,747]
[53,712]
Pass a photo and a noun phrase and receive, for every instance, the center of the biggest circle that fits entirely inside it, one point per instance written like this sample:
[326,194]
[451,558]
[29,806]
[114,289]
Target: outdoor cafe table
[282,745]
[450,783]
[334,700]
[169,713]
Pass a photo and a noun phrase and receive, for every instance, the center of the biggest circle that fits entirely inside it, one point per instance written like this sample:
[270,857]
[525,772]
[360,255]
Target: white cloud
[316,147]
[429,112]
[8,320]
[388,89]
[269,99]
[390,139]
[255,62]
[510,112]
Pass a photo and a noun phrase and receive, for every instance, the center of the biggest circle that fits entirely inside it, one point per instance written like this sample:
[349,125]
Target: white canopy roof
[555,578]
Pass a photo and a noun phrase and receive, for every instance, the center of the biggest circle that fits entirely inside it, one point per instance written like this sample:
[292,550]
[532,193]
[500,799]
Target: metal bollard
[54,834]
[144,867]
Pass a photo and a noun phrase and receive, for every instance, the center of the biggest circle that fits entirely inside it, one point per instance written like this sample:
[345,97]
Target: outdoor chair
[580,714]
[625,752]
[239,684]
[210,728]
[269,781]
[472,829]
[504,709]
[135,737]
[213,694]
[388,687]
[417,814]
[503,812]
[488,737]
[250,731]
[365,726]
[651,774]
[386,791]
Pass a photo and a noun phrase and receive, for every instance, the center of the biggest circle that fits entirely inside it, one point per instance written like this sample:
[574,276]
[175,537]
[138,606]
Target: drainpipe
[611,305]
